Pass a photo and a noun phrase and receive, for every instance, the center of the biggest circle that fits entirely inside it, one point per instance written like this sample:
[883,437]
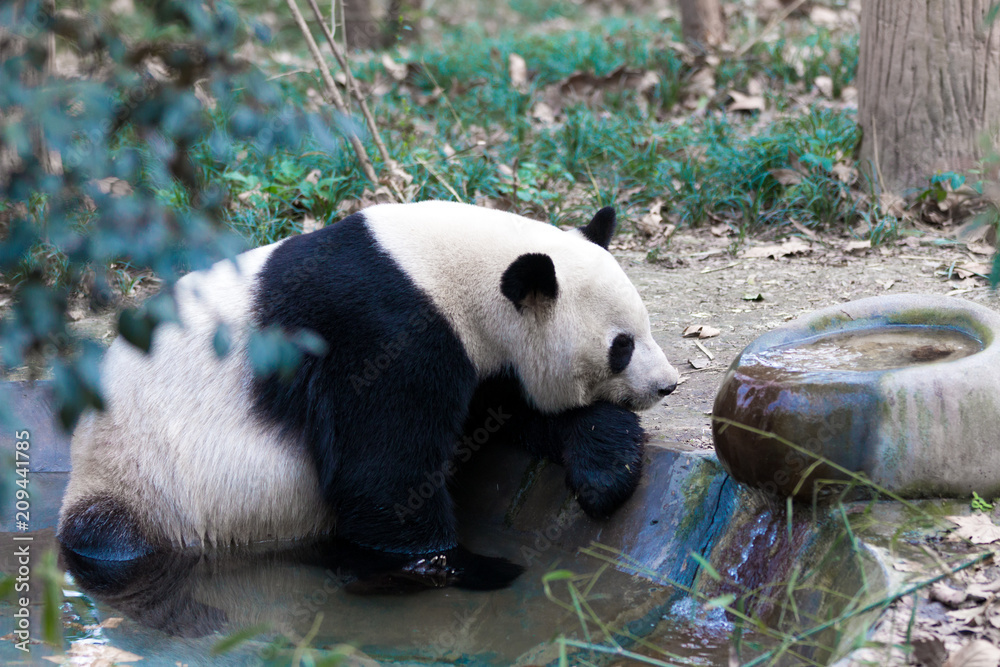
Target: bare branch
[395,171]
[332,91]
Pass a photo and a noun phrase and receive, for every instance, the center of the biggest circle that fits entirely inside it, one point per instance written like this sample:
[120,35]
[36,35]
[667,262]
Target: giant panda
[437,317]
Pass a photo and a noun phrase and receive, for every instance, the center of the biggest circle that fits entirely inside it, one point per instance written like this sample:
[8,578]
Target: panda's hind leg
[102,528]
[411,544]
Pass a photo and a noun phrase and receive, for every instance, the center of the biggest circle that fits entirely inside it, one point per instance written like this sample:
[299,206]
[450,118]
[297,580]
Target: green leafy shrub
[118,162]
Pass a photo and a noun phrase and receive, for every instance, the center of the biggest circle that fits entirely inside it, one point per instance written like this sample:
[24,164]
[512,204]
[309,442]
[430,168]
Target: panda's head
[581,331]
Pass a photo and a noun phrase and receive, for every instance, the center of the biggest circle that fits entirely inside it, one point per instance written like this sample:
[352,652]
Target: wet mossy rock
[926,428]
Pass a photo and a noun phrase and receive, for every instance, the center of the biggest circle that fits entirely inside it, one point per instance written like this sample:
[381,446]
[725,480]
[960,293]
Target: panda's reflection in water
[191,593]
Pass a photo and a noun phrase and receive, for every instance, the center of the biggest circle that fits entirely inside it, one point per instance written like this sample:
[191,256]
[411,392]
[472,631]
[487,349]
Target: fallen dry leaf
[845,173]
[892,204]
[808,233]
[256,191]
[700,331]
[790,246]
[929,651]
[945,594]
[589,88]
[857,247]
[966,616]
[786,176]
[108,623]
[744,102]
[969,269]
[824,85]
[824,16]
[963,286]
[908,566]
[396,71]
[113,186]
[544,114]
[993,616]
[698,363]
[979,653]
[984,591]
[647,82]
[518,73]
[981,249]
[89,652]
[310,224]
[977,528]
[700,85]
[979,235]
[650,223]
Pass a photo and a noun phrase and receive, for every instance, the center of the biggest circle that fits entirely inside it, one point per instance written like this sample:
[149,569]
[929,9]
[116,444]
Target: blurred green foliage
[120,162]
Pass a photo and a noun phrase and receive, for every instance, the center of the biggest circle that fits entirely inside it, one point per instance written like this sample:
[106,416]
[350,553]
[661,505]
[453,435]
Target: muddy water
[875,349]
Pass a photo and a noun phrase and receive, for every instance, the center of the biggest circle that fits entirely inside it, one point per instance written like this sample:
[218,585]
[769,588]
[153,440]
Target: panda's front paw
[603,457]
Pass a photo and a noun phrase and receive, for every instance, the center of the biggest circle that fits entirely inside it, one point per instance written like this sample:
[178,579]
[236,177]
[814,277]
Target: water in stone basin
[874,349]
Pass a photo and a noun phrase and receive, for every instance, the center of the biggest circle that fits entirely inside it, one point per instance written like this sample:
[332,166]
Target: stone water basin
[640,576]
[903,390]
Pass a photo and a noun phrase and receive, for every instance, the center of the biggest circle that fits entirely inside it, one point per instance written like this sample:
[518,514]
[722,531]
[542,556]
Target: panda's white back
[177,431]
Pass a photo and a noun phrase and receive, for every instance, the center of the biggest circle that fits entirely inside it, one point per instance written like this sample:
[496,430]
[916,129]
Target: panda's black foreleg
[602,447]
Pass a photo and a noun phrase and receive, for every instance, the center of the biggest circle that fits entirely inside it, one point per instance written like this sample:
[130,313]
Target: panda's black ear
[530,281]
[601,228]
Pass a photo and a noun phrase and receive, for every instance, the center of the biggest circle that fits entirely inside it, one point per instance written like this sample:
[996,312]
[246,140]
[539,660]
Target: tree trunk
[403,21]
[929,88]
[702,23]
[361,31]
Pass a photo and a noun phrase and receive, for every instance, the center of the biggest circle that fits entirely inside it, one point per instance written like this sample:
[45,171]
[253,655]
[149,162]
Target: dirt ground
[744,296]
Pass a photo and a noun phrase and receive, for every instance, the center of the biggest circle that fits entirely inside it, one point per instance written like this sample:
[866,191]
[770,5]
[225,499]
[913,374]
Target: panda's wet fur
[433,315]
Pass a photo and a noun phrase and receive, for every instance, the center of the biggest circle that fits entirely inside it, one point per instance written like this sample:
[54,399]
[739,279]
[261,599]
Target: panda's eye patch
[620,352]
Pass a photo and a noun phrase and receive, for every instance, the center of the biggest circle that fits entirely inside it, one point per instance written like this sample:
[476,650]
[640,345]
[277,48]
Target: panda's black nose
[664,391]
